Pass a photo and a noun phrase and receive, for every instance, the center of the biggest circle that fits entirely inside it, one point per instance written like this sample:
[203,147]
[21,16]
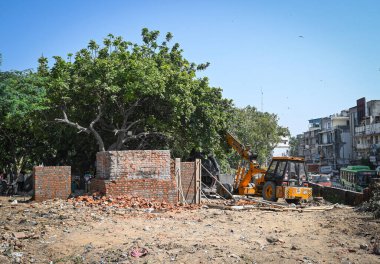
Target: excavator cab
[286,178]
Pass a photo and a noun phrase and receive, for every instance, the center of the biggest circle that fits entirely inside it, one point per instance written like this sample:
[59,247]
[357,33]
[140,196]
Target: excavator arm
[243,175]
[243,151]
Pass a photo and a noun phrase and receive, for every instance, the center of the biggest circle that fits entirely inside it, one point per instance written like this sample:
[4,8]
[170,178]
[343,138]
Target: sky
[297,59]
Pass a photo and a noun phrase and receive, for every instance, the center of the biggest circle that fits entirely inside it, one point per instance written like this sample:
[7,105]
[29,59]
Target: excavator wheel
[269,191]
[222,192]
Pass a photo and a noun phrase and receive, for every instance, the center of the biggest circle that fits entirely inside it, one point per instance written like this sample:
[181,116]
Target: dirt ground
[62,232]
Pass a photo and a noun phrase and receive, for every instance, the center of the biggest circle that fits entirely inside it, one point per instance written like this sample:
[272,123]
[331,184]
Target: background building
[282,148]
[350,137]
[366,133]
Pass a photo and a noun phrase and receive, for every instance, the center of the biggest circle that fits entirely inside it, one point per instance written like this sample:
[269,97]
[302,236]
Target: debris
[127,201]
[364,246]
[138,252]
[294,247]
[272,239]
[149,210]
[14,202]
[373,205]
[17,257]
[88,247]
[234,256]
[376,247]
[19,235]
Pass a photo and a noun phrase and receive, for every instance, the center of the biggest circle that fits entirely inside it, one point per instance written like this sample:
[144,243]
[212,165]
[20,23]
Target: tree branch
[117,131]
[143,135]
[76,125]
[121,133]
[88,130]
[96,134]
[128,112]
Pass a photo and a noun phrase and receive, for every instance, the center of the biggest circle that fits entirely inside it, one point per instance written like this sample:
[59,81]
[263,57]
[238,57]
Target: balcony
[367,130]
[362,146]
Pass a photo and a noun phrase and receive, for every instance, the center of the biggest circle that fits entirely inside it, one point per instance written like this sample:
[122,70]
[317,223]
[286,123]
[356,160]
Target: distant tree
[130,96]
[294,143]
[258,129]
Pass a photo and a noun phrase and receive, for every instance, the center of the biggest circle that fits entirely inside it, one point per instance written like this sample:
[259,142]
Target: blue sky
[310,59]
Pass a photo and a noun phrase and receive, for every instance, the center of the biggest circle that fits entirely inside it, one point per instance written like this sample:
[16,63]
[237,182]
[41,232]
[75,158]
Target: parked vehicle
[378,171]
[356,177]
[323,180]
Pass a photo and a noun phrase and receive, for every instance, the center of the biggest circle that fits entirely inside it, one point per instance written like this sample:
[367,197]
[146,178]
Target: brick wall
[144,173]
[51,182]
[133,164]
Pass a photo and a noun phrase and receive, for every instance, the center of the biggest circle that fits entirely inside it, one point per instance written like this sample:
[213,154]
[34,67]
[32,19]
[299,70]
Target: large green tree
[136,96]
[21,99]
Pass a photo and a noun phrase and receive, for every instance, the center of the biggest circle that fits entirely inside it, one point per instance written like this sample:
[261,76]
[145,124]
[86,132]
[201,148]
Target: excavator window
[281,168]
[272,168]
[286,170]
[295,171]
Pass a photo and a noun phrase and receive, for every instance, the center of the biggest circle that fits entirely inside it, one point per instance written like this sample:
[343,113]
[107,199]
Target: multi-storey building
[366,133]
[335,140]
[328,141]
[311,141]
[351,137]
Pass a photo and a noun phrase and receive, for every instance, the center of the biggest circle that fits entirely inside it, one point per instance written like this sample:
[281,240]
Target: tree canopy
[131,96]
[119,95]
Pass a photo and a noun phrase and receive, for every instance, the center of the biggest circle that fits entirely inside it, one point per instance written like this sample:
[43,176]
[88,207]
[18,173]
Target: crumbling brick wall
[51,182]
[144,173]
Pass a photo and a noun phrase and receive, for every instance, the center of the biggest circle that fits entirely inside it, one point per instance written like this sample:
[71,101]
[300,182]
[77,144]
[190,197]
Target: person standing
[20,181]
[87,178]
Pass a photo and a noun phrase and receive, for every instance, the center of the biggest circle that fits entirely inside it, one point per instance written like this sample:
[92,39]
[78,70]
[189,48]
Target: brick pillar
[51,182]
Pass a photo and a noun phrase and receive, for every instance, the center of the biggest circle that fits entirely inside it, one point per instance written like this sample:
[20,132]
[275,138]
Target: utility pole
[262,95]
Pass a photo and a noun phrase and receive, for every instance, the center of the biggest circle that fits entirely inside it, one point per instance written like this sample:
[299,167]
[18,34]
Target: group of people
[12,185]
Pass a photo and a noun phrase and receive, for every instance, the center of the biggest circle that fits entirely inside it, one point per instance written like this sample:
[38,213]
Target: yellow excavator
[285,177]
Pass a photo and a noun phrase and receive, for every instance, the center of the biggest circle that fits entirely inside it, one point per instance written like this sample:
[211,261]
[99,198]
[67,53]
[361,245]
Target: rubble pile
[245,202]
[373,205]
[127,201]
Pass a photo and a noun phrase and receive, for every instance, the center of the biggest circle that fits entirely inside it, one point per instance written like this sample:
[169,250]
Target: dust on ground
[72,232]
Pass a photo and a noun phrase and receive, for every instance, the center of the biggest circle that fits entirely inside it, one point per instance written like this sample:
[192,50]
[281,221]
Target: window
[295,171]
[272,167]
[281,167]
